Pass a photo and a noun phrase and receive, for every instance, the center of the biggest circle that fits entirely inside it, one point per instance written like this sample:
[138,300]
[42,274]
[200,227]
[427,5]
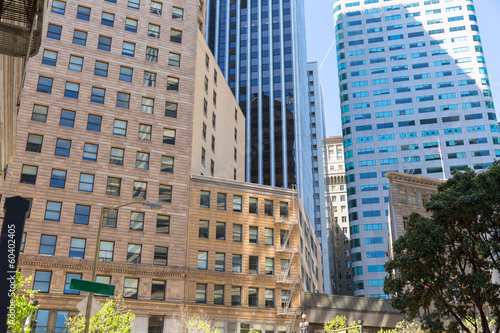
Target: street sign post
[92,287]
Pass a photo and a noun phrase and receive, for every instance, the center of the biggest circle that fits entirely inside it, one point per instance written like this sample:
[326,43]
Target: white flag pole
[441,156]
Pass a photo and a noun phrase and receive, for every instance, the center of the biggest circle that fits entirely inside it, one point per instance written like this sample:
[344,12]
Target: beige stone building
[407,194]
[337,215]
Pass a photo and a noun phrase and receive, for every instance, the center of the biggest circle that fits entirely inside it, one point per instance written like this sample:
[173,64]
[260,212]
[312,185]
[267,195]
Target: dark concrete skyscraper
[260,48]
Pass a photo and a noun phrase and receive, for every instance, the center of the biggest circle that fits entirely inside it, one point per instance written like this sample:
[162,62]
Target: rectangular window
[220,262]
[253,235]
[108,19]
[145,132]
[155,8]
[220,230]
[28,174]
[137,221]
[269,298]
[165,194]
[58,178]
[82,214]
[110,218]
[120,127]
[122,100]
[268,208]
[130,25]
[269,266]
[72,90]
[169,136]
[237,268]
[90,152]
[147,105]
[140,189]
[134,253]
[47,245]
[163,224]
[49,58]
[106,250]
[253,205]
[125,74]
[130,288]
[128,49]
[237,233]
[167,164]
[42,281]
[219,294]
[97,95]
[175,36]
[202,260]
[101,68]
[158,290]
[83,13]
[151,54]
[86,183]
[34,143]
[135,4]
[172,83]
[104,43]
[149,79]
[253,299]
[40,113]
[201,293]
[203,230]
[171,109]
[142,160]
[237,203]
[177,13]
[116,156]
[69,277]
[58,7]
[154,30]
[54,31]
[253,265]
[269,236]
[236,296]
[80,37]
[174,59]
[160,256]
[283,209]
[77,248]
[45,85]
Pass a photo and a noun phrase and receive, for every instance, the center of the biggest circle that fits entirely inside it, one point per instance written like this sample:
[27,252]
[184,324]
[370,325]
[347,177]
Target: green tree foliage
[21,304]
[442,267]
[339,322]
[190,321]
[404,327]
[113,317]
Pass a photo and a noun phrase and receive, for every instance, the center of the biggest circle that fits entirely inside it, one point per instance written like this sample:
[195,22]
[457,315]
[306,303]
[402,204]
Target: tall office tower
[412,78]
[336,212]
[318,133]
[260,48]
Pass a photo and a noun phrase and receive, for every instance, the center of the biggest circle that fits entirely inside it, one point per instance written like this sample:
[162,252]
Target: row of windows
[86,183]
[90,152]
[237,233]
[237,264]
[407,5]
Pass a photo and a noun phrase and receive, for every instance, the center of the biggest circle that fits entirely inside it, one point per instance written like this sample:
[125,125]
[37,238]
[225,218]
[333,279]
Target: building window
[63,147]
[104,43]
[236,296]
[58,178]
[220,230]
[80,37]
[201,293]
[158,290]
[205,107]
[47,245]
[147,105]
[215,98]
[45,84]
[23,240]
[237,203]
[163,224]
[69,277]
[28,174]
[54,31]
[169,136]
[206,84]
[253,297]
[160,256]
[203,231]
[101,68]
[253,205]
[86,182]
[174,59]
[128,49]
[171,109]
[94,123]
[253,235]
[283,209]
[149,79]
[82,214]
[221,201]
[42,281]
[40,113]
[134,4]
[156,7]
[122,100]
[120,127]
[155,324]
[268,207]
[154,30]
[165,194]
[107,19]
[139,190]
[116,156]
[49,58]
[213,143]
[151,54]
[72,90]
[125,74]
[106,250]
[220,262]
[134,253]
[237,233]
[137,221]
[90,152]
[130,25]
[172,83]
[77,248]
[269,236]
[175,36]
[145,132]
[204,132]
[205,199]
[58,7]
[142,160]
[34,143]
[219,294]
[53,211]
[203,154]
[167,164]
[214,117]
[110,218]
[237,266]
[269,266]
[130,286]
[113,186]
[97,95]
[202,260]
[253,265]
[177,13]
[269,298]
[83,13]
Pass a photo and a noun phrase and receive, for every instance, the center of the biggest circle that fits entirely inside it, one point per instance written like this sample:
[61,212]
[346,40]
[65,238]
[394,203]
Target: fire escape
[21,27]
[289,283]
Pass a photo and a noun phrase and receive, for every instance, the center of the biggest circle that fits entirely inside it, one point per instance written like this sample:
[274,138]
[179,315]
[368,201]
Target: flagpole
[441,156]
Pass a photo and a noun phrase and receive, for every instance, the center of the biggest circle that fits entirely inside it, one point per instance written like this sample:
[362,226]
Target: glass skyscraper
[413,86]
[260,48]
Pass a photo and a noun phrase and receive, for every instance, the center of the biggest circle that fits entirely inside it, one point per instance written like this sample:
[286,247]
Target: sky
[321,34]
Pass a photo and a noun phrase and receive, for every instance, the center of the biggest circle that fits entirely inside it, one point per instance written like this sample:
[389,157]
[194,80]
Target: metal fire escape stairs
[289,222]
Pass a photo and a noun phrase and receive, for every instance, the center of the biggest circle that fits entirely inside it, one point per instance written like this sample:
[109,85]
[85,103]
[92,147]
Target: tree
[442,267]
[192,322]
[339,322]
[23,308]
[113,317]
[404,327]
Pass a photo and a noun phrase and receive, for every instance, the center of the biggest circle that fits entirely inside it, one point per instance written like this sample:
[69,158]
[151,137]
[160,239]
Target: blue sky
[320,35]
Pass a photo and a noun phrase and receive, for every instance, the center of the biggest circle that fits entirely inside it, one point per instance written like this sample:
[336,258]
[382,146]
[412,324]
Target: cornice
[413,179]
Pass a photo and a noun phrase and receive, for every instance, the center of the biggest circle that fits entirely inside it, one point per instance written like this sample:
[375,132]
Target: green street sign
[92,287]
